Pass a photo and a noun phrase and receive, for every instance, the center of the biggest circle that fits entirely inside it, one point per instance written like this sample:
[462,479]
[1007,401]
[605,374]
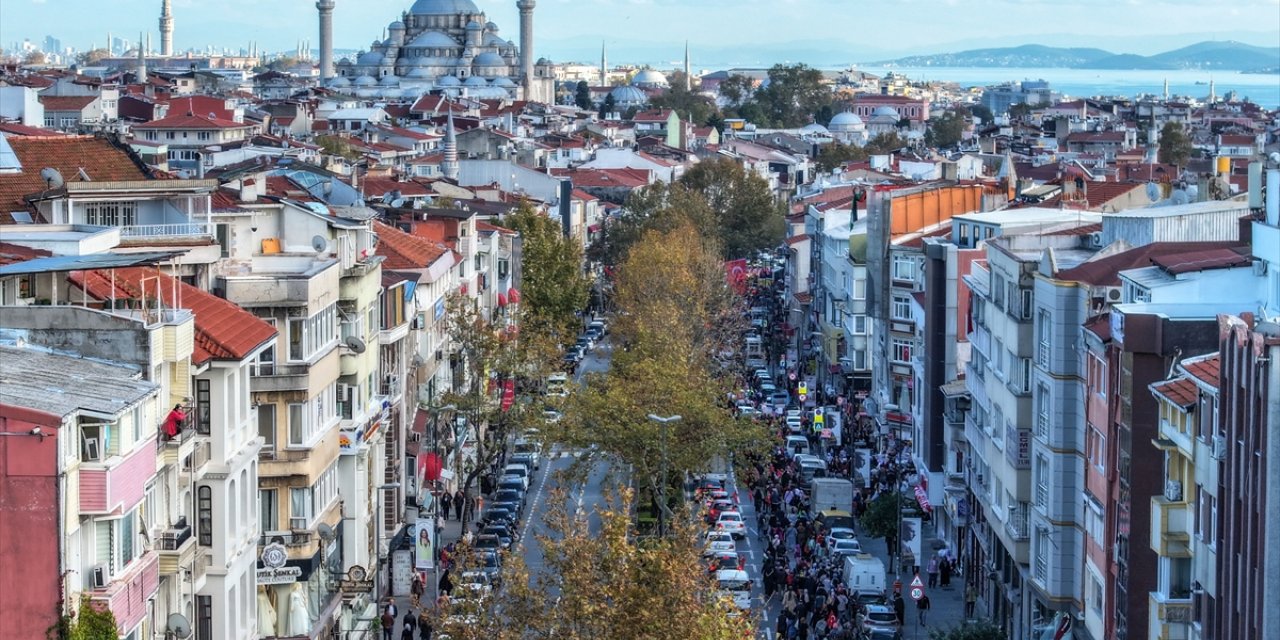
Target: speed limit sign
[917,593]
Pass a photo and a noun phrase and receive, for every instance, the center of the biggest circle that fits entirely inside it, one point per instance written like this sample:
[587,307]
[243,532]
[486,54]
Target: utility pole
[662,488]
[377,540]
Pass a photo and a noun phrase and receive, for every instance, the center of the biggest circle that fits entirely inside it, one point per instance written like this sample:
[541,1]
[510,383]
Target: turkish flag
[508,394]
[431,466]
[735,273]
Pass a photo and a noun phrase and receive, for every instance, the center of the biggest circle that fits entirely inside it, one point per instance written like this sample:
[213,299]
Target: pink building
[29,564]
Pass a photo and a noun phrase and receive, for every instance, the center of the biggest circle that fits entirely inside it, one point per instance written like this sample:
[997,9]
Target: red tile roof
[1206,370]
[1100,326]
[15,129]
[406,251]
[1191,261]
[657,115]
[189,120]
[1096,194]
[223,331]
[100,160]
[11,253]
[481,225]
[207,106]
[66,103]
[1180,391]
[605,178]
[1106,271]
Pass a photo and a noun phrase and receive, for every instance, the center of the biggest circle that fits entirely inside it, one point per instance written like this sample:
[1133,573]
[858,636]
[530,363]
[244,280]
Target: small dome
[503,82]
[448,81]
[443,8]
[845,121]
[885,112]
[369,58]
[434,40]
[339,82]
[815,129]
[365,81]
[491,39]
[389,81]
[419,72]
[489,59]
[627,96]
[396,26]
[475,81]
[367,92]
[474,26]
[649,77]
[543,62]
[491,27]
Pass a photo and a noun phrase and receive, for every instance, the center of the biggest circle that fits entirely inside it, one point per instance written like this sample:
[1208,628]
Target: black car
[527,459]
[508,495]
[513,507]
[498,513]
[500,531]
[487,542]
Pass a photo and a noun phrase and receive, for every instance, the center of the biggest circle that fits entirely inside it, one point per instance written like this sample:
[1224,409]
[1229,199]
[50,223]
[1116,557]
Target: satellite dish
[326,532]
[1153,191]
[320,244]
[51,177]
[1180,197]
[179,626]
[1192,191]
[397,203]
[355,344]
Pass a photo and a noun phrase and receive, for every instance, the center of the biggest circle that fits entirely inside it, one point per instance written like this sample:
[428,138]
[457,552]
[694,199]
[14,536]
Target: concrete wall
[89,333]
[30,566]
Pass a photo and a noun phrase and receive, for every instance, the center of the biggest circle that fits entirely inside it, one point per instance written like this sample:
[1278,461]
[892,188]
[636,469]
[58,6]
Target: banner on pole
[424,544]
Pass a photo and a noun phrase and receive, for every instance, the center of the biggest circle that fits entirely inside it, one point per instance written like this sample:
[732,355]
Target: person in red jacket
[173,423]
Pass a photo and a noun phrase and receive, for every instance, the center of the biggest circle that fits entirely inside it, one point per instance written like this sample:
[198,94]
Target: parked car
[877,616]
[731,521]
[500,531]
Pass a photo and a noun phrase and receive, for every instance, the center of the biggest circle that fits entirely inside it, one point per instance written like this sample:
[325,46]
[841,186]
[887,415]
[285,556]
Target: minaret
[1213,94]
[526,44]
[166,29]
[326,38]
[1166,88]
[688,69]
[142,60]
[450,165]
[604,65]
[110,48]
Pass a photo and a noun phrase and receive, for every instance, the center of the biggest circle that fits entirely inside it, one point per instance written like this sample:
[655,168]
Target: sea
[1263,89]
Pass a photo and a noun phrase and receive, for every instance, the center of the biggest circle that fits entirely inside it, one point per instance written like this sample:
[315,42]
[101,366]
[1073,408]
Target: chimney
[248,191]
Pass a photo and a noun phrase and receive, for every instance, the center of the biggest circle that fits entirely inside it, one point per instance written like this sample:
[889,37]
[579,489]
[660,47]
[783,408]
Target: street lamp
[662,489]
[377,541]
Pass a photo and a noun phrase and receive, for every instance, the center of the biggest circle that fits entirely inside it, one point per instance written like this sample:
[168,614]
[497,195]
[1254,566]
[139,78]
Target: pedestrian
[446,501]
[416,589]
[410,623]
[388,621]
[970,600]
[424,624]
[900,608]
[947,566]
[458,499]
[923,606]
[933,572]
[446,584]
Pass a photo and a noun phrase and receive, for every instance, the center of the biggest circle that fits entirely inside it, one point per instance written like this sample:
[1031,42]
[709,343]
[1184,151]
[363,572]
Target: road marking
[537,497]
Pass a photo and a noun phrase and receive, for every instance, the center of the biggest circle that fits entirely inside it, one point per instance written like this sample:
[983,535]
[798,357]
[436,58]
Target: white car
[846,548]
[735,584]
[718,546]
[795,425]
[731,522]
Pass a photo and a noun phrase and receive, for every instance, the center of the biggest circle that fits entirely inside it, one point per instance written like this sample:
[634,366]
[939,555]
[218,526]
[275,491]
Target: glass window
[204,515]
[110,214]
[299,507]
[901,307]
[267,426]
[296,331]
[297,424]
[901,350]
[268,510]
[904,268]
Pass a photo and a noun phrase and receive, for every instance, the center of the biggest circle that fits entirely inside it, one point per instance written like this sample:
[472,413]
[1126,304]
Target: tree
[659,206]
[337,146]
[981,112]
[834,155]
[1175,146]
[737,89]
[946,130]
[600,580]
[795,96]
[1019,110]
[554,285]
[977,630]
[608,106]
[582,97]
[880,520]
[282,63]
[883,143]
[91,58]
[692,106]
[93,621]
[34,58]
[748,218]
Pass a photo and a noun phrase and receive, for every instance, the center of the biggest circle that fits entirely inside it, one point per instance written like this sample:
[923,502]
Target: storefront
[298,598]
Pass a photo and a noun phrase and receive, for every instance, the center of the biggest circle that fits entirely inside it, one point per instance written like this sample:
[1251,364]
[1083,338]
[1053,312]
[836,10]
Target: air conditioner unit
[1113,294]
[344,391]
[298,524]
[1219,447]
[1173,491]
[1095,240]
[99,576]
[1259,268]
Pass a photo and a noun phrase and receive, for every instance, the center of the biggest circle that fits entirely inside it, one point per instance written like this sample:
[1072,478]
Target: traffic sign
[791,376]
[803,397]
[817,418]
[803,389]
[917,582]
[917,593]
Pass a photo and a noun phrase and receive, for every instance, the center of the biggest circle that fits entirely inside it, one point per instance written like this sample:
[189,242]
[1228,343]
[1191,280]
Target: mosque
[448,46]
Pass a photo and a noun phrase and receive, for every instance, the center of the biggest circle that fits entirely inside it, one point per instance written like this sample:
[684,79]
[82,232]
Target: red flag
[508,394]
[735,273]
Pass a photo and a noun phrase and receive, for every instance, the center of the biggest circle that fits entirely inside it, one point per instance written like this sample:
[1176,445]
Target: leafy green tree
[795,95]
[282,63]
[607,106]
[92,57]
[884,143]
[748,217]
[737,89]
[554,285]
[982,112]
[582,96]
[1019,110]
[836,154]
[94,621]
[977,630]
[337,146]
[946,130]
[659,206]
[880,520]
[1175,146]
[692,106]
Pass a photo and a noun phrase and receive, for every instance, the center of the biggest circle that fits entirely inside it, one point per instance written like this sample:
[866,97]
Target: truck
[864,575]
[831,493]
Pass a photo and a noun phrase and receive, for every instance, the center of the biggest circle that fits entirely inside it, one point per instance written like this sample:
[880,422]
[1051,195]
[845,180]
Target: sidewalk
[452,532]
[946,604]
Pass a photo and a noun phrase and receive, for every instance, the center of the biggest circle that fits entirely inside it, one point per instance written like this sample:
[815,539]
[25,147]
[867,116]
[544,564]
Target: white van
[736,585]
[797,445]
[864,575]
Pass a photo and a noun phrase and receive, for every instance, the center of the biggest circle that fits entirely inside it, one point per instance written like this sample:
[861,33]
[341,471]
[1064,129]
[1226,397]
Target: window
[299,507]
[268,510]
[170,135]
[1043,403]
[204,617]
[860,359]
[1093,520]
[859,288]
[309,336]
[859,325]
[1096,449]
[1022,376]
[1135,293]
[297,424]
[1043,329]
[110,214]
[325,490]
[267,427]
[901,307]
[997,290]
[128,536]
[1096,595]
[997,425]
[204,515]
[204,407]
[1042,482]
[205,135]
[962,237]
[1042,556]
[901,350]
[904,268]
[1027,297]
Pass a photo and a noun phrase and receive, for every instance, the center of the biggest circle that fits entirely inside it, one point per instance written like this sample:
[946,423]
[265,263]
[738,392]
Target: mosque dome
[365,81]
[396,26]
[433,40]
[489,59]
[816,129]
[339,81]
[491,26]
[448,81]
[649,77]
[443,7]
[626,97]
[475,81]
[474,26]
[845,121]
[369,58]
[504,82]
[885,112]
[389,81]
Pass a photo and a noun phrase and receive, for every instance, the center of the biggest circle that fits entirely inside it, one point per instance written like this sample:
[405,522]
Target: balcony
[270,377]
[284,281]
[180,230]
[1170,617]
[116,483]
[177,448]
[177,548]
[128,591]
[1018,525]
[1170,535]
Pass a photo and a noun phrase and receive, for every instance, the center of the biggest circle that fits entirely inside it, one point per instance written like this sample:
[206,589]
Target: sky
[720,30]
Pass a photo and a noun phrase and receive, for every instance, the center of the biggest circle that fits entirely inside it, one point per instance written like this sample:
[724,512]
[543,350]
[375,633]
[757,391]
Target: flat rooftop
[62,384]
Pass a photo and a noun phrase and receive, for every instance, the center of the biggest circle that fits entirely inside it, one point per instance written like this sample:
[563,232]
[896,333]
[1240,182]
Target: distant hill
[1220,55]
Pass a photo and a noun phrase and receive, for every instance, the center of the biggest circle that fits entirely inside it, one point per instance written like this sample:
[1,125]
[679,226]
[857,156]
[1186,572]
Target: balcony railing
[172,539]
[287,538]
[1018,524]
[183,229]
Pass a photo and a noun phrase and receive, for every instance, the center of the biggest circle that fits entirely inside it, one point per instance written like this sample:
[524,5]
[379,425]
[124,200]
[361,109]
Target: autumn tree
[554,287]
[601,581]
[35,58]
[92,57]
[1175,146]
[748,218]
[660,206]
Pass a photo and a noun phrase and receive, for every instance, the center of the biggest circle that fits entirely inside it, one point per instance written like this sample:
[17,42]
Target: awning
[57,264]
[513,295]
[502,299]
[595,228]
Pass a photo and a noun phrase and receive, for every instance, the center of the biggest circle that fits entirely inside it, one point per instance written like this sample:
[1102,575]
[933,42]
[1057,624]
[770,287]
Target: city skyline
[569,31]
